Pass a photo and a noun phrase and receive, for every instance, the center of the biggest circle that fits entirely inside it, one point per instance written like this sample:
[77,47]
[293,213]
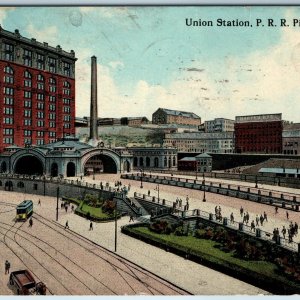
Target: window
[8,110]
[52,81]
[66,68]
[67,125]
[27,94]
[8,70]
[27,75]
[27,58]
[40,115]
[40,123]
[40,96]
[67,84]
[51,116]
[27,141]
[52,64]
[40,61]
[67,109]
[52,134]
[40,86]
[40,142]
[52,98]
[27,113]
[8,79]
[9,140]
[8,51]
[8,131]
[52,124]
[66,101]
[40,105]
[27,83]
[40,77]
[8,91]
[67,118]
[66,92]
[27,132]
[27,122]
[8,100]
[40,133]
[27,103]
[8,120]
[52,88]
[52,107]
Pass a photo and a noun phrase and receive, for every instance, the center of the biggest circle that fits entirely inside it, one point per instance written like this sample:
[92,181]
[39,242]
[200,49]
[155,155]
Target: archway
[147,161]
[100,163]
[141,161]
[54,170]
[135,161]
[126,166]
[3,167]
[8,186]
[156,162]
[29,165]
[70,169]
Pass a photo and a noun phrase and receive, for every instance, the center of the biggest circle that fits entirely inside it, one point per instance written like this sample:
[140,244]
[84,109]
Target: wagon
[25,284]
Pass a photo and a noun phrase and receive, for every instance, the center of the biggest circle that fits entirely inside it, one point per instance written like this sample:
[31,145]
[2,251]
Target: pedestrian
[296,228]
[30,222]
[91,225]
[241,211]
[276,209]
[216,210]
[72,208]
[252,225]
[261,218]
[129,186]
[265,216]
[247,218]
[7,267]
[66,207]
[39,203]
[287,215]
[283,231]
[67,225]
[131,218]
[257,220]
[80,177]
[231,218]
[148,192]
[62,205]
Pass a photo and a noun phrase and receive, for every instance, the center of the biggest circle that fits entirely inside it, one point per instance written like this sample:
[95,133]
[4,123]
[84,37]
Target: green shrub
[179,231]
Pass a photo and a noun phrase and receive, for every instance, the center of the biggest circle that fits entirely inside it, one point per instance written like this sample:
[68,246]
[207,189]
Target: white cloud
[3,13]
[116,64]
[48,33]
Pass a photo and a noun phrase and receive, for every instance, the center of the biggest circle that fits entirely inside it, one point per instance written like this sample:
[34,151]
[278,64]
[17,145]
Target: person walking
[148,192]
[276,209]
[287,215]
[30,222]
[39,203]
[241,211]
[283,231]
[131,218]
[91,226]
[7,267]
[257,220]
[265,216]
[67,225]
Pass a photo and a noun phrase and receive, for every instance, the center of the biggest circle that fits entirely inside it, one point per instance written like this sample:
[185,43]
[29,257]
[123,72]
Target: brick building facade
[258,134]
[37,97]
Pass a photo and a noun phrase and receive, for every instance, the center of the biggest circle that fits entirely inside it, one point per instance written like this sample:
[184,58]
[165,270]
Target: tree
[155,137]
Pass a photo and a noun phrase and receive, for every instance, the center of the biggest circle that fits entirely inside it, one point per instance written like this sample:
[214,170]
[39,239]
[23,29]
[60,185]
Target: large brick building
[258,133]
[169,116]
[37,97]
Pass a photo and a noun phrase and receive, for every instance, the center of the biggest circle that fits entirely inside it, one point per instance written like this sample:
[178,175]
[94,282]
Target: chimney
[94,109]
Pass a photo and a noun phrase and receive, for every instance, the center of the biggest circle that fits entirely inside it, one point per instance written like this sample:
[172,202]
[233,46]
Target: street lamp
[57,197]
[196,169]
[141,178]
[116,225]
[157,189]
[256,181]
[204,200]
[93,173]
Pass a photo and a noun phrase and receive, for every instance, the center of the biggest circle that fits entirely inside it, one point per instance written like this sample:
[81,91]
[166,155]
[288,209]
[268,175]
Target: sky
[148,58]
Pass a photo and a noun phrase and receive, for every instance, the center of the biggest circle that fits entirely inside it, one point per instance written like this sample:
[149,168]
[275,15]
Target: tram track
[127,264]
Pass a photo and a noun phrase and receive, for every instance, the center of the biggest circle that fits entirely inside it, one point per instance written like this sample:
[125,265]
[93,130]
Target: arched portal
[70,169]
[8,186]
[126,166]
[147,161]
[156,162]
[54,170]
[30,165]
[3,167]
[100,163]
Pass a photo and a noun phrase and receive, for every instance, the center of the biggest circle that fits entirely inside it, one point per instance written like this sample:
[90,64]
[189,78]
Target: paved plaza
[74,262]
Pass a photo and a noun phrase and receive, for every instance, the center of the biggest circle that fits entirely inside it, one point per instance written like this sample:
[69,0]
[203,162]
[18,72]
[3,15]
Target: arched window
[156,162]
[67,84]
[41,78]
[52,81]
[141,161]
[8,70]
[135,161]
[20,184]
[27,74]
[165,162]
[147,161]
[174,161]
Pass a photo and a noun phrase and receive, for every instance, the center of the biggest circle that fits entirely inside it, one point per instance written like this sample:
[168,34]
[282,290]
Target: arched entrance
[54,170]
[8,186]
[3,167]
[100,163]
[71,169]
[30,165]
[126,166]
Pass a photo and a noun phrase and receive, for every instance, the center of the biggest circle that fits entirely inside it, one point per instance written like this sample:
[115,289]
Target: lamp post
[93,173]
[116,225]
[256,181]
[141,178]
[204,199]
[157,189]
[57,197]
[196,169]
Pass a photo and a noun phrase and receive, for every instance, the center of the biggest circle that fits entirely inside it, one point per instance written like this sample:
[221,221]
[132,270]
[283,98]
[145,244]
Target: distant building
[219,125]
[168,116]
[258,133]
[108,121]
[200,142]
[134,121]
[200,163]
[187,164]
[291,139]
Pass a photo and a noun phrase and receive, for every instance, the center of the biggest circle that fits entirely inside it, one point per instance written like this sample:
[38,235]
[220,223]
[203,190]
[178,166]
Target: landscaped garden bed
[235,256]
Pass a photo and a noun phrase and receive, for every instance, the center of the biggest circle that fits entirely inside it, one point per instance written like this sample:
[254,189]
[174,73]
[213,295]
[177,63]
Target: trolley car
[24,210]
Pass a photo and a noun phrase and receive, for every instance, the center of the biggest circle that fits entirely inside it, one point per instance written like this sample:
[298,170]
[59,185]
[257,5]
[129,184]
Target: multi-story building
[200,142]
[219,125]
[37,99]
[291,139]
[168,116]
[258,133]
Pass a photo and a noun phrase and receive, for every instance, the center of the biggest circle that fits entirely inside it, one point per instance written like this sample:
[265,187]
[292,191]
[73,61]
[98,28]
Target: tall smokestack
[94,109]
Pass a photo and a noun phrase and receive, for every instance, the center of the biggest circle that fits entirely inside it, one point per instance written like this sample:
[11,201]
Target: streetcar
[24,210]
